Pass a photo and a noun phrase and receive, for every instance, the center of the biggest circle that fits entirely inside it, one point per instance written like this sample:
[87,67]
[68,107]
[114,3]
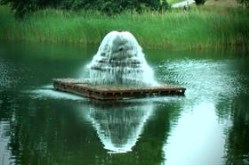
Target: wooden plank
[104,92]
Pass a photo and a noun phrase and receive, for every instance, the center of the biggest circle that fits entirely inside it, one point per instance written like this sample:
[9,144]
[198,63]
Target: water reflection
[5,79]
[5,154]
[211,78]
[237,143]
[48,92]
[199,135]
[7,108]
[119,125]
[209,124]
[66,131]
[197,138]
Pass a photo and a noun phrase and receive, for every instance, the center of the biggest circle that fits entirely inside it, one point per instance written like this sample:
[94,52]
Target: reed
[200,28]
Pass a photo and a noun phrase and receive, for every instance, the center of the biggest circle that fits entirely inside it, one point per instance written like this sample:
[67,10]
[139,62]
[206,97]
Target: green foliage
[199,28]
[199,2]
[20,7]
[244,3]
[109,7]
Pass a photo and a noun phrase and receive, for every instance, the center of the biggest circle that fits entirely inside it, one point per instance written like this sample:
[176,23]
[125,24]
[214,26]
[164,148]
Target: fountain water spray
[118,71]
[120,61]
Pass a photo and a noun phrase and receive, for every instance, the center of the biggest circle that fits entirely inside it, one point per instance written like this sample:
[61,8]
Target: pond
[209,125]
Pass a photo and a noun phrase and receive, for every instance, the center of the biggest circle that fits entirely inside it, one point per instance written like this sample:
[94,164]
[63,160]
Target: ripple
[47,91]
[204,78]
[5,71]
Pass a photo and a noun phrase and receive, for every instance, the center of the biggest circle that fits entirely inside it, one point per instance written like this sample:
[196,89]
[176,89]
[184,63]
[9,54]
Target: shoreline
[200,28]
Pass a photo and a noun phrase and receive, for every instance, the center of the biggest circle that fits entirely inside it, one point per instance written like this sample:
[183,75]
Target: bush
[109,7]
[244,3]
[199,2]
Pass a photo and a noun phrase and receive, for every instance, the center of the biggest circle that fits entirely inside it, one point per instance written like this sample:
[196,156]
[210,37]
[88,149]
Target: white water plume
[120,60]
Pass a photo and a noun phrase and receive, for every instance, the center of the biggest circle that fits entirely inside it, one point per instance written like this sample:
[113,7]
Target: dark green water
[208,126]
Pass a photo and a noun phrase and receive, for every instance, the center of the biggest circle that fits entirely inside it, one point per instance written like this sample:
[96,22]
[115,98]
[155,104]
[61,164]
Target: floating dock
[101,92]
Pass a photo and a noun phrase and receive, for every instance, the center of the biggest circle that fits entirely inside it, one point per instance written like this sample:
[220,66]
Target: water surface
[209,125]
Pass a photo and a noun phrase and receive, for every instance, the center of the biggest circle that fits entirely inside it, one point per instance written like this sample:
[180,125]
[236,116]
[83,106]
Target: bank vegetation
[200,27]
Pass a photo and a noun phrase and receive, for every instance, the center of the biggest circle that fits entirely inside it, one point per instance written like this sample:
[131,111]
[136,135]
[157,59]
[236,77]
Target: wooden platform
[85,89]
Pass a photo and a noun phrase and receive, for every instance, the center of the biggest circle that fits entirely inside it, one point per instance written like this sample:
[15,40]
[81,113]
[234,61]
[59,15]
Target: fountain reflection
[5,139]
[119,125]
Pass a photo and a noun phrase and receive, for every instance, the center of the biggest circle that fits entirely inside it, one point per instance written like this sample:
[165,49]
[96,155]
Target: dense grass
[199,28]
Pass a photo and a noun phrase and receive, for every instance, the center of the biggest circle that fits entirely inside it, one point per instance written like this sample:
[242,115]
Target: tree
[22,7]
[244,3]
[199,2]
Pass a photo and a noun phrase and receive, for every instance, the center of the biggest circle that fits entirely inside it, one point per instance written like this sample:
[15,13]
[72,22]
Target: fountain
[117,71]
[120,61]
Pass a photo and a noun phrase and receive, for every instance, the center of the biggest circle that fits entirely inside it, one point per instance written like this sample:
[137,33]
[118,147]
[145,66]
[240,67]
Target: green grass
[174,1]
[200,28]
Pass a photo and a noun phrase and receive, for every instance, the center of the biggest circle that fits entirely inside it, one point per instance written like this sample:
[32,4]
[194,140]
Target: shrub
[110,7]
[199,2]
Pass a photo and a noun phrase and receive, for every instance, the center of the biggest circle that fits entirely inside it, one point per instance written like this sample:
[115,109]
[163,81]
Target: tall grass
[199,28]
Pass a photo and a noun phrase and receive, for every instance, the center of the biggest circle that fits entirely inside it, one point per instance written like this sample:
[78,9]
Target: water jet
[117,71]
